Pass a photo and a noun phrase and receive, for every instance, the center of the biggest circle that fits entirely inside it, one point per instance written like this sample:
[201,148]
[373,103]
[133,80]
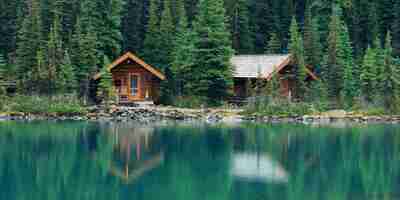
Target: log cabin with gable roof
[134,80]
[249,68]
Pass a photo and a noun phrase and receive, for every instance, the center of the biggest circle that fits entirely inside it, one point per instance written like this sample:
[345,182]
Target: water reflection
[128,161]
[136,151]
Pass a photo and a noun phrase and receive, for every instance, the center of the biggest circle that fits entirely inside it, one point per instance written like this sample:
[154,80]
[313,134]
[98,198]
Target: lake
[82,160]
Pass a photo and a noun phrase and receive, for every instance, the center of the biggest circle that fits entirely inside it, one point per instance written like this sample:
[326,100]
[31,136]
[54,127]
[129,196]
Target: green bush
[281,107]
[189,102]
[60,105]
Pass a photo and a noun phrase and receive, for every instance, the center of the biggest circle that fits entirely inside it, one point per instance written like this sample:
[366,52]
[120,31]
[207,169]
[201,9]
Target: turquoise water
[70,161]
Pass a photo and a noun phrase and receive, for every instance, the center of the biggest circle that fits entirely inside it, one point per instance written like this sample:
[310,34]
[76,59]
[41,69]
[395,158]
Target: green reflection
[49,160]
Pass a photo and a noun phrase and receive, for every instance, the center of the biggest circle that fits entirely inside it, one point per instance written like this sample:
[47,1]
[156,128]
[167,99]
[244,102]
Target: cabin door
[134,92]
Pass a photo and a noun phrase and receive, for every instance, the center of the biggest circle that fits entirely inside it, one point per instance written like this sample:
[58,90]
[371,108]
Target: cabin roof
[136,59]
[252,66]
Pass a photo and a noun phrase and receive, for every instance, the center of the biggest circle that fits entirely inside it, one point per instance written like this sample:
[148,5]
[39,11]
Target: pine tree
[54,56]
[9,25]
[66,77]
[3,75]
[308,35]
[105,90]
[396,30]
[312,44]
[38,74]
[296,50]
[379,65]
[92,20]
[87,63]
[339,50]
[368,75]
[183,57]
[167,35]
[29,40]
[152,39]
[213,51]
[132,29]
[3,68]
[272,88]
[112,37]
[241,33]
[390,79]
[274,45]
[350,72]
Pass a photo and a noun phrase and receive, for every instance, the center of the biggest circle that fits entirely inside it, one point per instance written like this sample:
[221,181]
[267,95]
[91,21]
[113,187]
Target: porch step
[137,103]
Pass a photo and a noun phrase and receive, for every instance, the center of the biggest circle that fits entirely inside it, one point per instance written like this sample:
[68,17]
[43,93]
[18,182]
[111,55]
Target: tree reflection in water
[48,160]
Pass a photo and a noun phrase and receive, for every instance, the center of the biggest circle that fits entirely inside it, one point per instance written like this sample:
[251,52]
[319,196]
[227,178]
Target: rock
[214,118]
[335,114]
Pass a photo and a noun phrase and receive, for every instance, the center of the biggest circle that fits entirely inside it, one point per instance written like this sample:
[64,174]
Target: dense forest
[53,47]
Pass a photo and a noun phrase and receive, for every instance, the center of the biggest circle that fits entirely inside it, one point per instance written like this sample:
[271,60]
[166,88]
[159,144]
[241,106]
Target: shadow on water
[48,160]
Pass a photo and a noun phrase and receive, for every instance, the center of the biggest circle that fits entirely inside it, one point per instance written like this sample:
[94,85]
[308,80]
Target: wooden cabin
[249,68]
[134,80]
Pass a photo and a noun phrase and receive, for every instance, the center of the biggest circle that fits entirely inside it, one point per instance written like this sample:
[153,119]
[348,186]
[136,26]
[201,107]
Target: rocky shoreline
[156,114]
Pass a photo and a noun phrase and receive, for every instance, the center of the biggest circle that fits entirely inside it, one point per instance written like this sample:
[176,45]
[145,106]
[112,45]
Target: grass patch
[58,105]
[189,102]
[283,108]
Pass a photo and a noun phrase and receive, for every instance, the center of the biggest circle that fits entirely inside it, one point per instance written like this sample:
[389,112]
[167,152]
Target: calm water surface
[71,161]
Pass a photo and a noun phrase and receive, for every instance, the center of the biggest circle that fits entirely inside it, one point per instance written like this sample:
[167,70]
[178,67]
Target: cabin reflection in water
[255,165]
[136,152]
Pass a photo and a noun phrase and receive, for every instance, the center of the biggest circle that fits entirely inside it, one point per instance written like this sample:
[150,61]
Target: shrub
[189,102]
[60,105]
[266,106]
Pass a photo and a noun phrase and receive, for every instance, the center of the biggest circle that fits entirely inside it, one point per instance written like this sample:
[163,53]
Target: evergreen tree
[3,68]
[3,74]
[264,20]
[350,72]
[312,46]
[92,19]
[390,79]
[273,88]
[183,57]
[339,56]
[38,74]
[152,39]
[368,75]
[29,40]
[213,51]
[241,33]
[379,65]
[87,63]
[105,90]
[9,25]
[66,77]
[274,45]
[308,36]
[112,37]
[396,29]
[132,29]
[296,50]
[54,55]
[167,35]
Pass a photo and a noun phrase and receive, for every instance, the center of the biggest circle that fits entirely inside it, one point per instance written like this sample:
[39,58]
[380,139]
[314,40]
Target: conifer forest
[54,47]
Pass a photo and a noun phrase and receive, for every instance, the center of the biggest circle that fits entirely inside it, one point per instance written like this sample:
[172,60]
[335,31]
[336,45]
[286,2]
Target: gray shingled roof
[249,66]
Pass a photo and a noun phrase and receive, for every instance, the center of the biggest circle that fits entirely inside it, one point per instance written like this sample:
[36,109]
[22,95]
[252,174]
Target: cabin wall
[241,86]
[148,84]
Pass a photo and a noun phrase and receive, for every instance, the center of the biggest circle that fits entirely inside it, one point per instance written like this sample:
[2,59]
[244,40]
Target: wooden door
[134,84]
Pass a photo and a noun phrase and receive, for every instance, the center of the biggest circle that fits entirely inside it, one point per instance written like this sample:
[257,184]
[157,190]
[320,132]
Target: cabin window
[134,85]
